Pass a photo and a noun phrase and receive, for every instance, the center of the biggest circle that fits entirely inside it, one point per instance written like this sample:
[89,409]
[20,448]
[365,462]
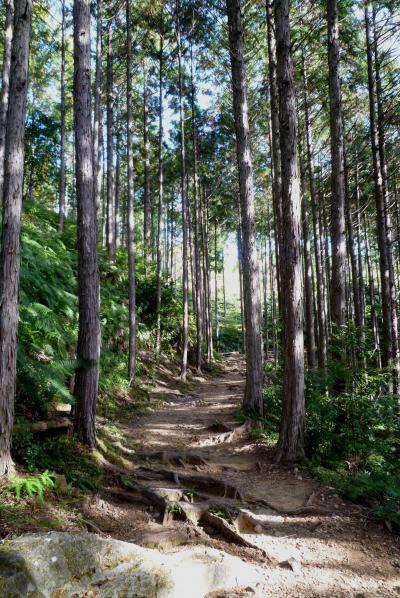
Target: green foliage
[61,454]
[230,338]
[48,314]
[352,439]
[31,486]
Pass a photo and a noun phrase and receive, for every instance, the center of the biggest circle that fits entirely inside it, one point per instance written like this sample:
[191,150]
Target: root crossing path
[194,475]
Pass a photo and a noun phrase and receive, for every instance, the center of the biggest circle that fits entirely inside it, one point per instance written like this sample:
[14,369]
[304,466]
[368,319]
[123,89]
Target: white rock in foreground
[63,565]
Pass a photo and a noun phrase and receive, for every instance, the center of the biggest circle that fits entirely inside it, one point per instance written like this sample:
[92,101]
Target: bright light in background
[232,284]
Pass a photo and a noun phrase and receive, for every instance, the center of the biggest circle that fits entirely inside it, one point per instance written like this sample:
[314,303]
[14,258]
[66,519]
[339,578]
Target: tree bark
[321,336]
[290,445]
[146,156]
[61,193]
[275,141]
[5,87]
[160,182]
[252,304]
[395,356]
[130,205]
[185,256]
[338,226]
[355,280]
[308,287]
[88,350]
[110,228]
[197,216]
[12,204]
[97,124]
[386,339]
[216,310]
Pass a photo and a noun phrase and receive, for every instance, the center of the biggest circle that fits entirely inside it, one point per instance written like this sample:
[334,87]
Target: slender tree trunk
[5,87]
[130,198]
[216,288]
[358,316]
[386,341]
[321,336]
[97,121]
[207,282]
[241,297]
[223,283]
[61,192]
[110,149]
[117,201]
[252,304]
[290,444]
[308,290]
[395,353]
[275,141]
[371,289]
[12,204]
[359,248]
[146,156]
[197,257]
[185,270]
[88,351]
[160,181]
[338,226]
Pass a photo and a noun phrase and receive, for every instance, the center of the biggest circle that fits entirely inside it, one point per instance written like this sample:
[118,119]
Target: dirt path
[328,547]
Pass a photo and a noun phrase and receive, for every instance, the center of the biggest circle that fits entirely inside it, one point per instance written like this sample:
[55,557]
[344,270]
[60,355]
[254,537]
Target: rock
[292,564]
[60,564]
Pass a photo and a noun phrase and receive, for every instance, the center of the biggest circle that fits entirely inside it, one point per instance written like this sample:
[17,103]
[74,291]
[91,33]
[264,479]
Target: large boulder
[61,565]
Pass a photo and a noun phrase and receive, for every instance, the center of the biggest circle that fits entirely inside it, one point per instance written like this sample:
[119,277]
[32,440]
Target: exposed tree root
[171,537]
[304,510]
[174,503]
[229,436]
[176,458]
[208,484]
[61,425]
[220,525]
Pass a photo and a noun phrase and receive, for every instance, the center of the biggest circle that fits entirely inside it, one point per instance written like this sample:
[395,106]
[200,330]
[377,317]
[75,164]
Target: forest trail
[312,541]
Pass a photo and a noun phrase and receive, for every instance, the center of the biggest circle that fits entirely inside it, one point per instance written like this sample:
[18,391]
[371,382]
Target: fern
[32,486]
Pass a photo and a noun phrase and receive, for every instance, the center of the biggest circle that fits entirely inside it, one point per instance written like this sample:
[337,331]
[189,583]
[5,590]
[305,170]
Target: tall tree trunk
[216,287]
[321,336]
[117,201]
[395,356]
[223,283]
[97,120]
[197,257]
[146,156]
[355,280]
[61,192]
[5,85]
[290,444]
[185,270]
[12,204]
[130,201]
[110,149]
[275,142]
[371,288]
[252,304]
[308,290]
[240,263]
[381,209]
[207,281]
[160,181]
[338,226]
[88,351]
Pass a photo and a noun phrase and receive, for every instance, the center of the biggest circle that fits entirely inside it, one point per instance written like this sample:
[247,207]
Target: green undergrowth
[48,334]
[352,439]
